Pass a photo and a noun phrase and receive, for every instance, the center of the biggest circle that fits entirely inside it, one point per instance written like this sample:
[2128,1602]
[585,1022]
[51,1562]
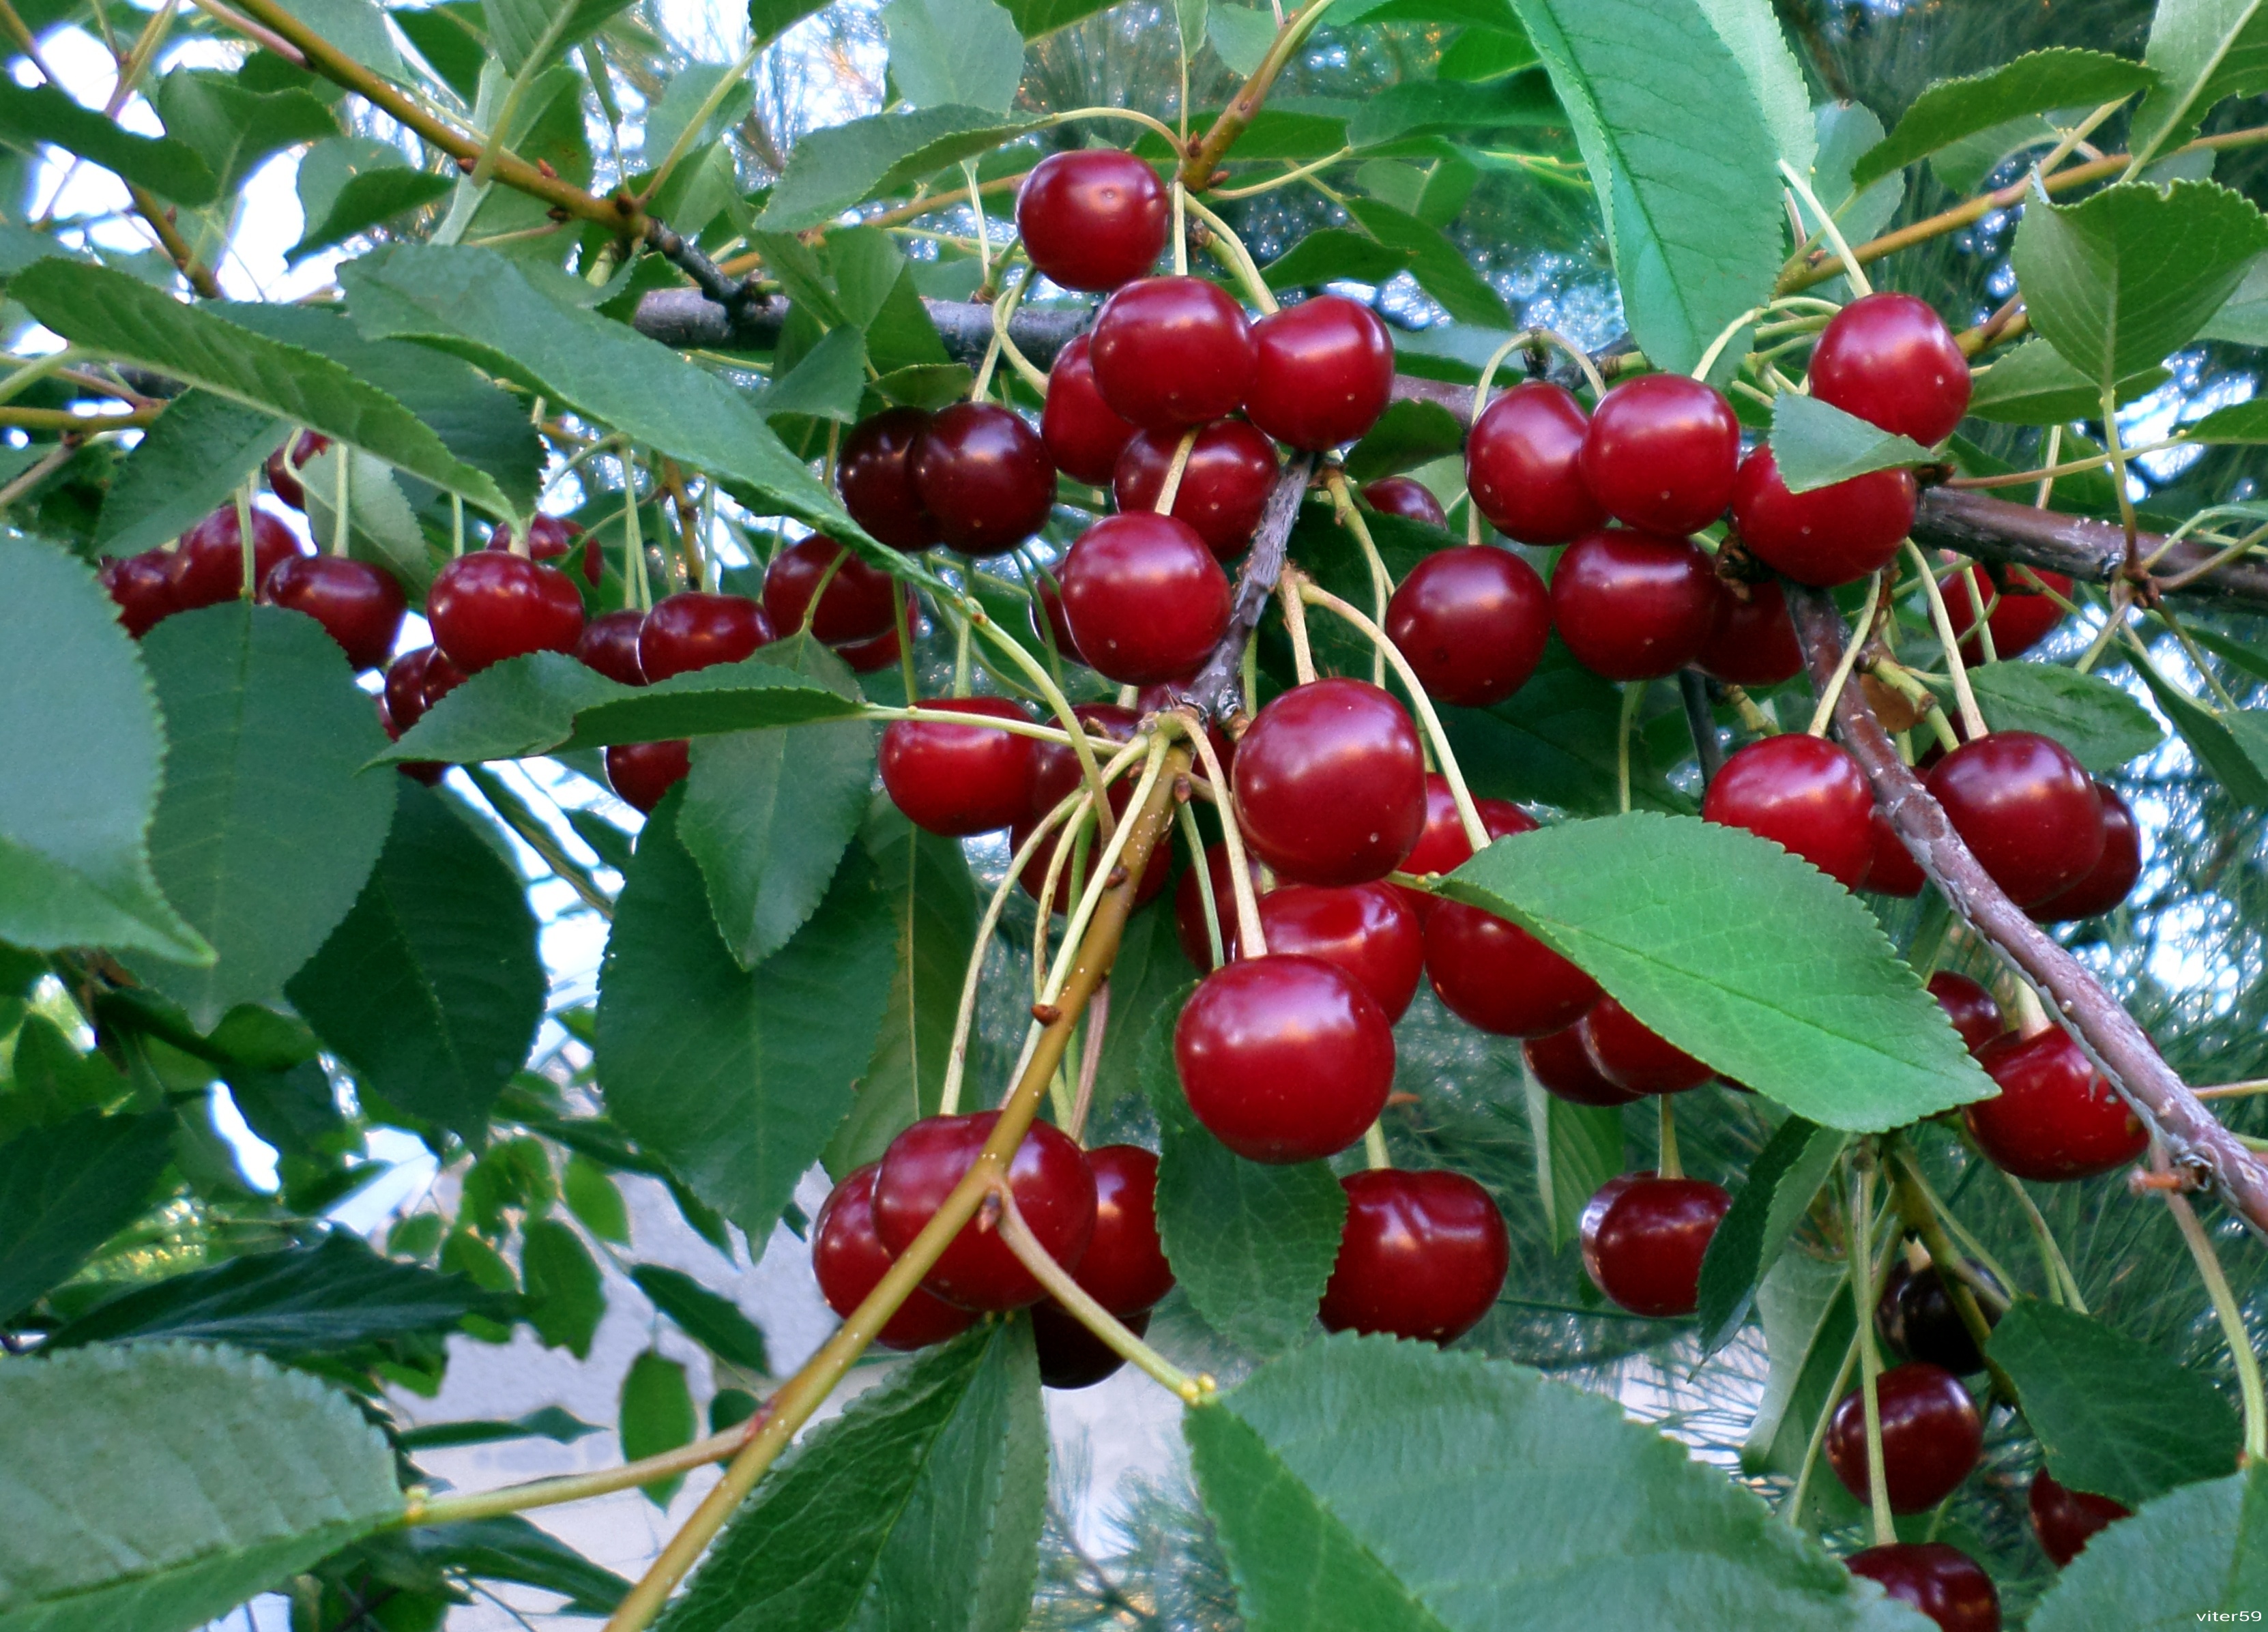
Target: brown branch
[161,222]
[1198,167]
[1218,690]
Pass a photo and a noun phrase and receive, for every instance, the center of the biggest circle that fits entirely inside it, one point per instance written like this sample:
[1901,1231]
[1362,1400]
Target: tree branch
[1217,690]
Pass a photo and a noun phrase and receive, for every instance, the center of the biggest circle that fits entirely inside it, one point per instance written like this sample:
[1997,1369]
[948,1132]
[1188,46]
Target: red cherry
[641,772]
[1072,1357]
[1563,1065]
[1941,1580]
[1754,641]
[209,562]
[1125,1269]
[1661,453]
[1524,466]
[1146,598]
[1829,535]
[609,644]
[2020,620]
[1644,1239]
[285,463]
[1919,1321]
[1472,623]
[2108,881]
[1047,609]
[1405,496]
[873,472]
[2056,1118]
[1082,434]
[1047,1176]
[488,606]
[1969,1007]
[1365,929]
[2026,808]
[143,586]
[865,656]
[959,780]
[1631,1056]
[1321,373]
[1054,766]
[1631,606]
[1890,360]
[1493,974]
[1422,1255]
[427,771]
[1172,352]
[548,536]
[359,606]
[1283,1058]
[1072,879]
[693,630]
[1892,870]
[1441,846]
[2065,1520]
[1189,907]
[1092,219]
[848,1257]
[984,478]
[1223,485]
[1805,794]
[414,682]
[855,606]
[1931,1436]
[1330,787]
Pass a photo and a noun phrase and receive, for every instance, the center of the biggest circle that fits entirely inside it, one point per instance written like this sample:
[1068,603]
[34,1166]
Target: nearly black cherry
[1920,1321]
[1283,1058]
[959,780]
[1421,1255]
[1072,1357]
[1047,1176]
[1329,786]
[873,472]
[1661,454]
[1472,623]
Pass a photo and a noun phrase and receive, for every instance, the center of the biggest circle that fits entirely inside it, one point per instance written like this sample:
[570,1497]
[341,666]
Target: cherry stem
[1079,1304]
[1381,581]
[1665,1162]
[1794,1511]
[1295,625]
[421,1507]
[1833,691]
[456,525]
[1633,697]
[1170,489]
[1090,1060]
[2069,468]
[340,496]
[1073,847]
[244,542]
[1252,939]
[1981,609]
[1003,311]
[1098,883]
[1827,227]
[2231,1315]
[1901,680]
[1149,122]
[1973,718]
[1195,837]
[973,614]
[819,591]
[2063,1286]
[1231,249]
[1374,1146]
[1870,1359]
[1914,1205]
[2234,1091]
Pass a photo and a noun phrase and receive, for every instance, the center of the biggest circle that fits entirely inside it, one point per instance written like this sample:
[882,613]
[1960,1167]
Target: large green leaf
[955,53]
[368,200]
[1553,739]
[2203,51]
[150,1488]
[1739,953]
[2034,385]
[2239,424]
[1252,1244]
[270,822]
[1035,19]
[74,841]
[507,1547]
[833,168]
[1816,444]
[2242,767]
[430,989]
[1753,34]
[1433,106]
[202,448]
[237,130]
[2035,83]
[919,1507]
[66,1190]
[1803,1307]
[2197,1557]
[2243,317]
[1360,1484]
[2101,726]
[33,115]
[1781,1182]
[566,1295]
[1439,265]
[528,34]
[1329,253]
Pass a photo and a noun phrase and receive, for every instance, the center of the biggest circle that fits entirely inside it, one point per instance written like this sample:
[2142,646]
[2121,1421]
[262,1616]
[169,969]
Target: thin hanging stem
[1295,625]
[1238,257]
[1666,1163]
[1251,938]
[1099,882]
[1870,1360]
[1079,1304]
[1381,581]
[1374,1153]
[1833,233]
[1633,696]
[245,540]
[1794,1511]
[983,235]
[1092,1033]
[2063,1286]
[1170,489]
[421,1508]
[1826,711]
[340,500]
[1187,819]
[1973,718]
[2231,1315]
[1181,229]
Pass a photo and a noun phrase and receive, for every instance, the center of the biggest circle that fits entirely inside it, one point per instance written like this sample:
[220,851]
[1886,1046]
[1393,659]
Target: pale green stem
[1870,1359]
[2231,1315]
[1834,234]
[2063,1286]
[1633,696]
[1851,648]
[1973,718]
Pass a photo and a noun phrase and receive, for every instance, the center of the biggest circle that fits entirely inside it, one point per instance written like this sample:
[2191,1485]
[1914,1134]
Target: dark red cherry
[865,656]
[873,472]
[143,586]
[1918,1319]
[609,644]
[1054,766]
[1441,846]
[490,604]
[1147,600]
[2019,619]
[1632,1056]
[427,771]
[1072,877]
[848,1257]
[693,630]
[959,780]
[2056,1117]
[1754,641]
[416,681]
[1125,1269]
[2065,1520]
[1049,599]
[1563,1065]
[359,606]
[2026,808]
[2108,881]
[1322,371]
[1805,794]
[285,464]
[1931,1436]
[641,772]
[1661,454]
[1082,433]
[1421,1255]
[1969,1007]
[1189,907]
[1644,1239]
[1524,466]
[1890,360]
[548,537]
[1094,218]
[1172,352]
[1072,1357]
[984,477]
[1330,785]
[1405,496]
[1631,606]
[1939,1580]
[208,562]
[1366,930]
[1493,974]
[1829,535]
[1047,1176]
[855,606]
[1472,622]
[1283,1058]
[1892,870]
[1223,485]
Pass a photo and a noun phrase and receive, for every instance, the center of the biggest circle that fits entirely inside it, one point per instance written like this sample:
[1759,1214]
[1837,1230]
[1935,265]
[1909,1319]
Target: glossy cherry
[1969,1007]
[414,682]
[1069,1356]
[873,472]
[1632,1056]
[1054,766]
[1330,785]
[1939,1580]
[208,562]
[1805,794]
[285,464]
[1753,643]
[2019,619]
[1421,1255]
[609,644]
[550,537]
[1047,1176]
[2065,1520]
[1092,218]
[1492,974]
[1893,870]
[2111,879]
[1441,846]
[693,630]
[1917,1318]
[983,476]
[857,605]
[1472,622]
[2026,808]
[1321,372]
[865,656]
[1829,535]
[1283,1058]
[959,780]
[1931,1436]
[1631,606]
[1189,907]
[359,606]
[1407,498]
[1644,1237]
[1072,878]
[1224,484]
[1365,929]
[848,1257]
[641,772]
[1048,611]
[1172,352]
[2056,1117]
[1890,360]
[1661,454]
[143,586]
[1082,433]
[1563,1065]
[1524,466]
[490,604]
[1125,1269]
[1146,598]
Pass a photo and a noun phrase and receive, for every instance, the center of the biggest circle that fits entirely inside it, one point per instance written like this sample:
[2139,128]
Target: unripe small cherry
[1827,536]
[1633,605]
[1224,482]
[1472,623]
[959,780]
[1407,498]
[1890,360]
[1661,454]
[2056,1117]
[1630,1056]
[1524,466]
[849,1259]
[1932,1436]
[1172,352]
[1082,434]
[1321,372]
[1283,1058]
[1047,1176]
[1421,1255]
[1092,218]
[983,477]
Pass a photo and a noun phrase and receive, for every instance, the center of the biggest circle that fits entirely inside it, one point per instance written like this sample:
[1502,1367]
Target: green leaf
[769,19]
[1252,1244]
[1753,34]
[1552,740]
[430,988]
[1845,131]
[1817,444]
[235,129]
[2101,726]
[1431,107]
[66,1190]
[2214,740]
[1439,265]
[2242,319]
[2035,386]
[1577,1149]
[955,53]
[1409,433]
[710,1319]
[566,1298]
[688,92]
[270,823]
[2203,51]
[834,167]
[38,116]
[507,1547]
[827,381]
[1241,36]
[381,528]
[2038,82]
[2118,282]
[130,1504]
[2242,423]
[75,865]
[372,199]
[1690,203]
[201,449]
[589,1191]
[1189,22]
[1781,1182]
[736,1078]
[356,27]
[657,1415]
[1363,1483]
[549,1422]
[1035,19]
[532,34]
[919,1506]
[1739,953]
[1478,55]
[1330,254]
[2202,1549]
[1804,1307]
